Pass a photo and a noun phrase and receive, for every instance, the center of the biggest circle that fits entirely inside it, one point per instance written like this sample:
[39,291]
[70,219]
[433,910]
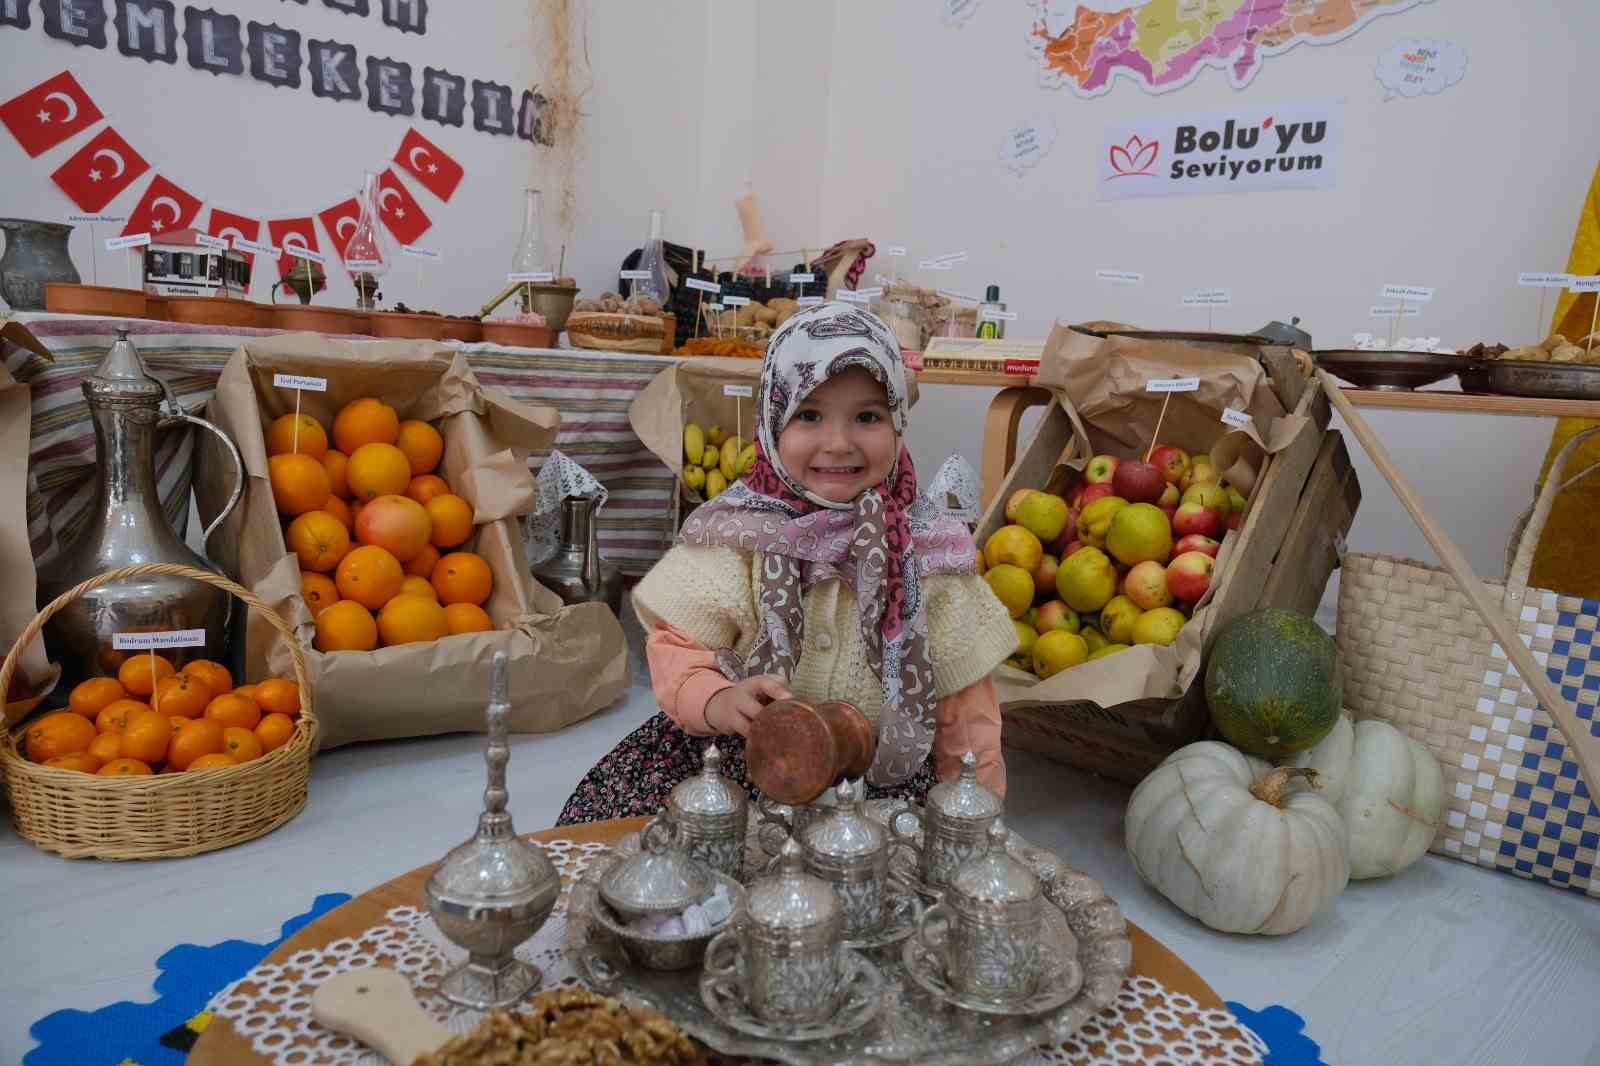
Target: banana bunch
[712,460]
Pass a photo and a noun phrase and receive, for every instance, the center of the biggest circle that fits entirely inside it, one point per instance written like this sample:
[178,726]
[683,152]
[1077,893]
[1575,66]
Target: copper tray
[1550,381]
[98,300]
[1389,371]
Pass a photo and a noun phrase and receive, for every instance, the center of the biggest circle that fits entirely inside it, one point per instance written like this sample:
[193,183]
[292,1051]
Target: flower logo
[1135,158]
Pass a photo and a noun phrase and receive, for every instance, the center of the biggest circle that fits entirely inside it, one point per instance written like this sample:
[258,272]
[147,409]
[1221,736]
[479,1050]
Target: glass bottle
[364,254]
[530,263]
[654,260]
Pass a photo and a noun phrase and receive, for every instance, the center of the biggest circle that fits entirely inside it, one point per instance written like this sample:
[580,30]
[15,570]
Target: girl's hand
[733,709]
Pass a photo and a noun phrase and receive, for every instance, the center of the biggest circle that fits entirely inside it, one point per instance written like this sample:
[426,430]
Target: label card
[1121,277]
[92,219]
[1531,280]
[852,296]
[1384,311]
[420,253]
[635,275]
[895,250]
[810,301]
[745,391]
[539,277]
[1172,385]
[363,264]
[991,314]
[736,301]
[869,293]
[132,240]
[255,247]
[702,285]
[715,305]
[933,264]
[952,259]
[300,251]
[1590,283]
[206,240]
[172,638]
[802,279]
[298,381]
[1208,298]
[1411,294]
[956,296]
[1236,419]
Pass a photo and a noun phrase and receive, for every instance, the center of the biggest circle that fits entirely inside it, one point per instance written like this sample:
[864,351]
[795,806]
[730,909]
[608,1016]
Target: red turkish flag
[400,210]
[292,231]
[430,165]
[226,224]
[49,113]
[340,221]
[100,170]
[164,207]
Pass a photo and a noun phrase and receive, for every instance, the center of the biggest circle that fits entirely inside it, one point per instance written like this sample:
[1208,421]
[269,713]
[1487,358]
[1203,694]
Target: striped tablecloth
[592,390]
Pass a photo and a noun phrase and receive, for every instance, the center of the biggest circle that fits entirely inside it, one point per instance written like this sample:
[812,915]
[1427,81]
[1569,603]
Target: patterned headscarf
[881,544]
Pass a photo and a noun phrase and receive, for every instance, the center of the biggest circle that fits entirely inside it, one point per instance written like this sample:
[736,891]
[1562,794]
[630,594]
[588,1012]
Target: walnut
[570,1027]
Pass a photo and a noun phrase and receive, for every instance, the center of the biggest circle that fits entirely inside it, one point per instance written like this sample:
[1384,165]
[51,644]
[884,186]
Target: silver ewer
[495,891]
[851,852]
[954,822]
[713,814]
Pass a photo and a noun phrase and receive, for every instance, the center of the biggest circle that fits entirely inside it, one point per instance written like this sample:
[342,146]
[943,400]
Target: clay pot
[400,324]
[318,319]
[213,311]
[99,300]
[795,750]
[516,335]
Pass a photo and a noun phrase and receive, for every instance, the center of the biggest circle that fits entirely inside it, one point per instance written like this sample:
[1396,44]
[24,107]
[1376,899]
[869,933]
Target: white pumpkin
[1225,838]
[1389,791]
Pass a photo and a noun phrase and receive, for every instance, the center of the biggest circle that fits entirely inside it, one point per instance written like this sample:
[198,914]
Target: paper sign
[933,264]
[809,301]
[736,301]
[702,285]
[1236,419]
[206,240]
[419,253]
[172,638]
[540,277]
[298,381]
[992,314]
[851,296]
[745,391]
[300,251]
[363,264]
[132,240]
[1122,277]
[895,249]
[1411,294]
[1586,284]
[1544,281]
[1208,298]
[1172,385]
[869,293]
[802,279]
[258,249]
[1381,311]
[92,219]
[956,296]
[635,275]
[1414,67]
[1025,144]
[953,258]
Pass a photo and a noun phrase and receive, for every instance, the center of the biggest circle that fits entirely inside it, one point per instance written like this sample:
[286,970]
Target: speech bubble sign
[1025,144]
[1418,67]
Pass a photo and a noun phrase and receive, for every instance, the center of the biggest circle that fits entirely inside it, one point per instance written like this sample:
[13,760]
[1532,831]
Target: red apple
[1044,576]
[1189,575]
[1094,492]
[1194,542]
[1235,520]
[1015,501]
[1192,518]
[1138,482]
[1056,615]
[1146,586]
[1172,461]
[1101,469]
[1170,498]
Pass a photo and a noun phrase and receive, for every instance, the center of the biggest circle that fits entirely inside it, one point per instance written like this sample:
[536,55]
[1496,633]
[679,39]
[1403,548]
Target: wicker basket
[621,333]
[80,815]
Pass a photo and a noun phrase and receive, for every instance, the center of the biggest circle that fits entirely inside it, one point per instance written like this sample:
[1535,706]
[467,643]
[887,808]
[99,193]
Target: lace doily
[954,489]
[271,1005]
[559,477]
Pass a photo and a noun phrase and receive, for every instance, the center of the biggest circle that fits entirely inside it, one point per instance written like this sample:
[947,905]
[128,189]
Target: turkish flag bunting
[340,221]
[399,209]
[163,208]
[49,113]
[227,224]
[430,165]
[292,231]
[100,170]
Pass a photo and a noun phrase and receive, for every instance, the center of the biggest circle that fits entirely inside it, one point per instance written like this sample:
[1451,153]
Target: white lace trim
[954,489]
[560,476]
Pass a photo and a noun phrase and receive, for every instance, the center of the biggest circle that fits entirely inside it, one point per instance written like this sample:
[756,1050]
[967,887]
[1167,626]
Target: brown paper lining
[35,675]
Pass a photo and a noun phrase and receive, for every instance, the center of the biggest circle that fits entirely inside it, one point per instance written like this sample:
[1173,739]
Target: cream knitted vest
[709,593]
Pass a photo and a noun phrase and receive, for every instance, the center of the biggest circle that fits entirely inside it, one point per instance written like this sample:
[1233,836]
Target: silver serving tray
[1549,381]
[1389,371]
[914,1026]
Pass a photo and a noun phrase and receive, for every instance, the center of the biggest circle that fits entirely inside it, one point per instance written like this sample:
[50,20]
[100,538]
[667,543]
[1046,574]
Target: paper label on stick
[956,296]
[1122,277]
[802,279]
[419,253]
[1591,283]
[363,264]
[538,277]
[132,240]
[702,285]
[92,219]
[953,258]
[300,251]
[172,638]
[852,296]
[809,301]
[1411,294]
[869,293]
[744,391]
[299,381]
[635,275]
[1208,298]
[1533,280]
[990,314]
[895,250]
[1172,385]
[254,247]
[736,301]
[1236,419]
[933,264]
[714,305]
[206,240]
[1383,311]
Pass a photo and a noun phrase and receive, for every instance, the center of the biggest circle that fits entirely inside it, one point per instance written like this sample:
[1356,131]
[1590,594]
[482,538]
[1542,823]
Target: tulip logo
[1136,158]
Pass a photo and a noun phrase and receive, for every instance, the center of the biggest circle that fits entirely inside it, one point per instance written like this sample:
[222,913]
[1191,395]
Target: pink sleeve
[684,677]
[969,720]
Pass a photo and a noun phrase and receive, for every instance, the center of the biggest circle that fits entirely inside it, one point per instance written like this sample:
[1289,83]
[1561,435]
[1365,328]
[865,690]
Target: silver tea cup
[852,853]
[954,825]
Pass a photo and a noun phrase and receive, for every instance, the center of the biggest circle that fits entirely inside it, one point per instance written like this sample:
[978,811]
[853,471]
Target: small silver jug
[713,814]
[576,572]
[851,852]
[954,823]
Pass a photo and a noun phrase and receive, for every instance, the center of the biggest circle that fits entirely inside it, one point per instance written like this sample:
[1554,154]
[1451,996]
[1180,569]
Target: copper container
[795,750]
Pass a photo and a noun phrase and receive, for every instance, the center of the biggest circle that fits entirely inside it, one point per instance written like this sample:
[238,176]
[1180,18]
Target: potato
[1567,353]
[765,316]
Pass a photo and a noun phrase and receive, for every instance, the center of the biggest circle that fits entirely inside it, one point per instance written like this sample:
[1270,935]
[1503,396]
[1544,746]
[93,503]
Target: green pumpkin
[1273,683]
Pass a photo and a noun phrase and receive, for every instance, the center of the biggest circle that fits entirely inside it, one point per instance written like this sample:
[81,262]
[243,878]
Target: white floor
[1444,964]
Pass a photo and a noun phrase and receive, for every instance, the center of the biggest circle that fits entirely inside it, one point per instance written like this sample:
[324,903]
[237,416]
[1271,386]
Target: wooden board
[1474,403]
[1327,510]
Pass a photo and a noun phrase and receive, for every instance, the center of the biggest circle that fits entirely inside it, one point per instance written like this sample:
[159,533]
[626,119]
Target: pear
[716,435]
[715,483]
[694,477]
[694,442]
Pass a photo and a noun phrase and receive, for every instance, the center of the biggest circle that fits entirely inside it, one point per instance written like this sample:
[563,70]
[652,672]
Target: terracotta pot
[516,335]
[796,750]
[415,327]
[155,308]
[101,300]
[317,319]
[466,330]
[212,311]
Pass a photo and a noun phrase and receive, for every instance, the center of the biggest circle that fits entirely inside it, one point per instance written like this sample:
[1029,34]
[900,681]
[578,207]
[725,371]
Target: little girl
[821,574]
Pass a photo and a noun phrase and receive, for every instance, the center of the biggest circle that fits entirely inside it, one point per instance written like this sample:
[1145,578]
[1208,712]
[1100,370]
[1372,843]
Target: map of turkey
[1164,44]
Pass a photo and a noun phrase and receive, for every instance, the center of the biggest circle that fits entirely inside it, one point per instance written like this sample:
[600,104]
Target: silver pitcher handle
[176,413]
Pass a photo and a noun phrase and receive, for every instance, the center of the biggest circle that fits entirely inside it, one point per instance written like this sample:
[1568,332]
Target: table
[220,1045]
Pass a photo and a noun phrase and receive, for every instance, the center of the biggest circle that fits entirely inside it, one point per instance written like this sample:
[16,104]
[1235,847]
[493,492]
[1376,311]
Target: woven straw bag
[81,815]
[1416,654]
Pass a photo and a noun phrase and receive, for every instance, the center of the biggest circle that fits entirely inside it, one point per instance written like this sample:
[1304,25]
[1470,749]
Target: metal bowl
[666,952]
[1551,381]
[1389,371]
[554,302]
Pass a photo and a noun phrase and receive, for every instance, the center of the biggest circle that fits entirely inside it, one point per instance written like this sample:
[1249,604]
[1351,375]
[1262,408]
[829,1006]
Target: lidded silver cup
[713,814]
[955,823]
[661,879]
[851,852]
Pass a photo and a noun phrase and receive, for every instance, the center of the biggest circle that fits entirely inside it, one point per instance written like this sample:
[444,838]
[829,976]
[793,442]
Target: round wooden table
[219,1045]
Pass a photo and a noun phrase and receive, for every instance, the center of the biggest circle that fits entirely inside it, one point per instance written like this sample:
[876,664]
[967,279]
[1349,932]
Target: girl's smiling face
[840,441]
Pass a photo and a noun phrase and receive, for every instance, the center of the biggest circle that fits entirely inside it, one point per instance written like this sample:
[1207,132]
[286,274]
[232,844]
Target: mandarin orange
[214,761]
[125,767]
[408,619]
[81,761]
[274,731]
[59,733]
[183,694]
[378,470]
[422,566]
[346,626]
[311,439]
[140,673]
[147,737]
[365,421]
[299,483]
[200,737]
[214,674]
[319,591]
[424,488]
[369,575]
[90,697]
[451,517]
[278,695]
[114,718]
[422,445]
[462,577]
[467,618]
[234,709]
[106,746]
[336,463]
[242,744]
[319,540]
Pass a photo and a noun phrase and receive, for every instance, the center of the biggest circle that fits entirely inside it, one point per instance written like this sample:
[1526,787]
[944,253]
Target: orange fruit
[424,488]
[241,744]
[467,618]
[114,718]
[140,673]
[378,470]
[422,566]
[278,695]
[365,421]
[274,731]
[147,737]
[319,539]
[398,524]
[337,463]
[247,691]
[356,507]
[422,445]
[311,440]
[106,746]
[81,761]
[452,520]
[90,697]
[59,733]
[299,483]
[407,619]
[418,586]
[125,768]
[203,736]
[234,709]
[178,721]
[319,592]
[370,576]
[214,674]
[346,626]
[184,695]
[462,577]
[341,510]
[212,761]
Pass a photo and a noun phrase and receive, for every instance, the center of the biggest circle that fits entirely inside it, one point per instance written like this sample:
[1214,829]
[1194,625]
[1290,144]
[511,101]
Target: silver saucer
[863,995]
[1059,981]
[904,909]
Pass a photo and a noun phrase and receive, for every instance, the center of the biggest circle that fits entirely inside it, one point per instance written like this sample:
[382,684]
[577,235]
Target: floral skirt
[638,775]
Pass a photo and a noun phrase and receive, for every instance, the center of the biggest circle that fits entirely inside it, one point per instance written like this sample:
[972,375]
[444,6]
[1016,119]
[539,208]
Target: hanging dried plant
[561,47]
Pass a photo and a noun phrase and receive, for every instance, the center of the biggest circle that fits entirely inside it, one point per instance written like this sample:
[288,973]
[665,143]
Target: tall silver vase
[36,253]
